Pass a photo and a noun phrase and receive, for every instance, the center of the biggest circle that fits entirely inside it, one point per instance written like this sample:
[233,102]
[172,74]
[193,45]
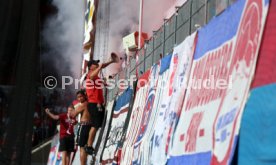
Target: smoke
[63,32]
[124,19]
[62,37]
[154,13]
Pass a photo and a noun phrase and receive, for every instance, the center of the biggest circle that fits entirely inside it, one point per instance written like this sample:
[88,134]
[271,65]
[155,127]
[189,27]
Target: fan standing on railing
[94,91]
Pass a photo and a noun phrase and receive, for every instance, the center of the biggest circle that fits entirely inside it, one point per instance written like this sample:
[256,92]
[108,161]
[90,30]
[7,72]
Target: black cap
[92,62]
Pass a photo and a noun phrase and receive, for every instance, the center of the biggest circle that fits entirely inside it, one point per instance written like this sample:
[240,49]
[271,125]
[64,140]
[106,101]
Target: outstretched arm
[55,117]
[95,72]
[104,65]
[114,59]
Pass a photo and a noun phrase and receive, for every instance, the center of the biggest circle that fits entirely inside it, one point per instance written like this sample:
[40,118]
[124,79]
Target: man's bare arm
[55,117]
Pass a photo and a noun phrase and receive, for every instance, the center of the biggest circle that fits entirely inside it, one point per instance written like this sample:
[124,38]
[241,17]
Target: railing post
[153,47]
[144,59]
[175,27]
[164,36]
[206,11]
[191,13]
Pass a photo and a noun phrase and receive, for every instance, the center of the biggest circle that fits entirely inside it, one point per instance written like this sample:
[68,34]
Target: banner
[87,43]
[257,134]
[134,123]
[165,86]
[221,74]
[118,121]
[173,97]
[148,141]
[105,129]
[148,116]
[88,26]
[54,155]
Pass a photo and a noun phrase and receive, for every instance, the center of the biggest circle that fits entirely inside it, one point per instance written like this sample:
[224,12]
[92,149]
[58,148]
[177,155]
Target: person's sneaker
[89,150]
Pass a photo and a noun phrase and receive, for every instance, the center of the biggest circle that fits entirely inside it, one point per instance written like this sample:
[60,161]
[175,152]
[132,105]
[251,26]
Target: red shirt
[66,125]
[94,90]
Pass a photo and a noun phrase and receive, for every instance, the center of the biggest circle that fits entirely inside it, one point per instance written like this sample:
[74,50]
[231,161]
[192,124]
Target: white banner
[118,121]
[172,99]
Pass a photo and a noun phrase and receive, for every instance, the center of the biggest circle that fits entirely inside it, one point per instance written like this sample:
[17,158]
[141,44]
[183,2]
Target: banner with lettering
[222,71]
[118,121]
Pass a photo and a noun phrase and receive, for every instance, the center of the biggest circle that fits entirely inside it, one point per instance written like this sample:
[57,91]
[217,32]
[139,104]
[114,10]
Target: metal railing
[187,19]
